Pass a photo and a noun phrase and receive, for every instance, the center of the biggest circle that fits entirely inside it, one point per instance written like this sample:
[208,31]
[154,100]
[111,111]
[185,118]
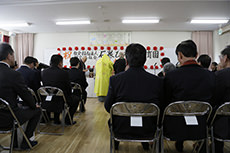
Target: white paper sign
[20,99]
[48,98]
[191,120]
[136,121]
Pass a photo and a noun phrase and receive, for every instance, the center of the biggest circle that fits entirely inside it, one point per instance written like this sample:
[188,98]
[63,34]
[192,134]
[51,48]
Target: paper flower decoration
[76,48]
[145,66]
[64,48]
[70,48]
[95,47]
[155,48]
[151,67]
[148,48]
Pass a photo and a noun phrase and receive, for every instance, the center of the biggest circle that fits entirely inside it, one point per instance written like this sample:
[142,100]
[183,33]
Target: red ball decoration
[59,49]
[65,66]
[82,48]
[89,48]
[122,48]
[145,66]
[161,66]
[88,66]
[161,48]
[94,66]
[70,48]
[151,67]
[108,48]
[102,47]
[115,47]
[95,47]
[59,54]
[148,48]
[64,48]
[155,48]
[162,54]
[76,48]
[156,67]
[70,67]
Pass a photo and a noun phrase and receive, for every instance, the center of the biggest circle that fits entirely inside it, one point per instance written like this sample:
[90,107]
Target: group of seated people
[15,83]
[190,81]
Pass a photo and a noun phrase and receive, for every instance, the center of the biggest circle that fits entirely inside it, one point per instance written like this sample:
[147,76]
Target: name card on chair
[191,120]
[136,121]
[48,98]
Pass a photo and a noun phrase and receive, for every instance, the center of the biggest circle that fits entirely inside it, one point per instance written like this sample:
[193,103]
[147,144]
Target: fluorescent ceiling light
[15,24]
[140,21]
[73,22]
[209,21]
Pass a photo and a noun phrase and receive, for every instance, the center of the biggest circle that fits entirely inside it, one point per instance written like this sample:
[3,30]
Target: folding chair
[13,123]
[46,94]
[182,118]
[135,110]
[222,112]
[75,88]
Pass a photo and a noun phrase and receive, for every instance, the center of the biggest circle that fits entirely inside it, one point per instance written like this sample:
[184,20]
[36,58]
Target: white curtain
[204,42]
[24,46]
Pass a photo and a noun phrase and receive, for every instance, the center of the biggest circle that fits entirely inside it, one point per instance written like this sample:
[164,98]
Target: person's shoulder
[223,72]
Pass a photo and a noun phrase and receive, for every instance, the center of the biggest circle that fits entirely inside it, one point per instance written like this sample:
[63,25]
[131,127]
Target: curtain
[24,46]
[204,42]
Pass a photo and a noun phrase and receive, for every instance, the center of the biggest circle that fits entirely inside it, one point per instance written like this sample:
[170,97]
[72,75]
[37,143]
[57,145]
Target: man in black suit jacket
[78,76]
[120,64]
[12,85]
[222,95]
[55,76]
[188,82]
[134,85]
[29,74]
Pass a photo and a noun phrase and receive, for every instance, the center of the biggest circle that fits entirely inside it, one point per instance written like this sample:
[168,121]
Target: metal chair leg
[162,141]
[12,139]
[213,143]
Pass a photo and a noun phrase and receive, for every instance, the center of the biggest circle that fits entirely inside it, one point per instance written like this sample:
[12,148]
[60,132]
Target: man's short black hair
[204,60]
[135,55]
[28,60]
[165,60]
[5,50]
[55,60]
[226,51]
[187,48]
[214,63]
[74,61]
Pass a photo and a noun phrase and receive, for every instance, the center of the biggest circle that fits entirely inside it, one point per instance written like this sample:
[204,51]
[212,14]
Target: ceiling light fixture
[15,24]
[73,22]
[141,21]
[209,21]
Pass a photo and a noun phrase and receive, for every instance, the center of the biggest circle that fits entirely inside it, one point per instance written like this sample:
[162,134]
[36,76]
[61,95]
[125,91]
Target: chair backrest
[8,114]
[188,108]
[50,91]
[134,109]
[33,94]
[76,86]
[223,110]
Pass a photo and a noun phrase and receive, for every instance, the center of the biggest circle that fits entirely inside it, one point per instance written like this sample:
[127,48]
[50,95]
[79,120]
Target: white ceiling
[107,15]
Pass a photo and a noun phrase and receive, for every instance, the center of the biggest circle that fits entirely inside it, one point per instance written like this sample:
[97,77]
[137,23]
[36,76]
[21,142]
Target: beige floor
[89,135]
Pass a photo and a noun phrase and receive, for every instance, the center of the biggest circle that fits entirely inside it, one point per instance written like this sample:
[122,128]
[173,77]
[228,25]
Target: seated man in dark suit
[78,76]
[222,95]
[13,85]
[204,60]
[133,85]
[188,82]
[55,76]
[28,73]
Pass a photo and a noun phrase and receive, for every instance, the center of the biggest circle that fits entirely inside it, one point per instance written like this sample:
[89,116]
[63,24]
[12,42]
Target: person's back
[134,85]
[120,64]
[29,74]
[222,95]
[188,82]
[55,76]
[13,85]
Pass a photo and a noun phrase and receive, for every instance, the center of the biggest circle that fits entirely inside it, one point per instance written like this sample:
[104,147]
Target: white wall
[220,42]
[43,41]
